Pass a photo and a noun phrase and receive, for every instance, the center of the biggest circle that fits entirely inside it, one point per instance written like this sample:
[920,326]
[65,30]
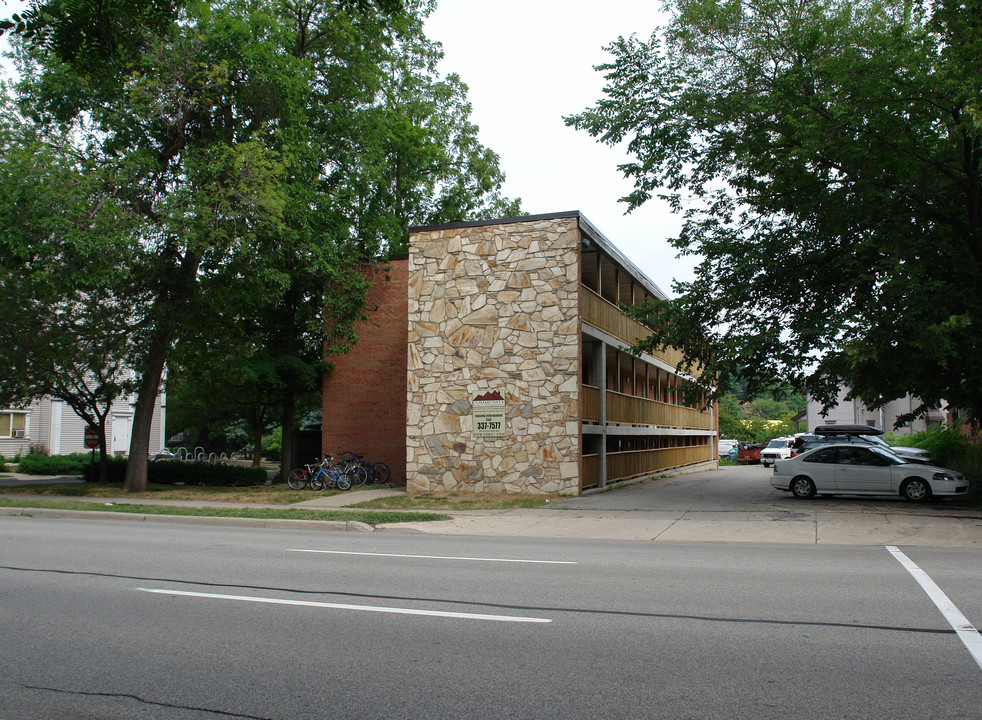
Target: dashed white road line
[436,557]
[963,628]
[342,606]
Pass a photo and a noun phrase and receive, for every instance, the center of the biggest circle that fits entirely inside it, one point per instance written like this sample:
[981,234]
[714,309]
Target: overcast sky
[527,63]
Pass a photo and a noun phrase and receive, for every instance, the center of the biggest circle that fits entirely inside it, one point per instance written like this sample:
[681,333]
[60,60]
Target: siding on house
[854,412]
[67,435]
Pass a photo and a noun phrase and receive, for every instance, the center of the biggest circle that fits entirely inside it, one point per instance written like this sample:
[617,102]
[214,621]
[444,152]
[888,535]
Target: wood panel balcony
[635,463]
[606,316]
[630,410]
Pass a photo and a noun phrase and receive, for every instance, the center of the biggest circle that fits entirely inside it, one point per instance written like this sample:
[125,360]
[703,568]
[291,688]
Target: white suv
[776,449]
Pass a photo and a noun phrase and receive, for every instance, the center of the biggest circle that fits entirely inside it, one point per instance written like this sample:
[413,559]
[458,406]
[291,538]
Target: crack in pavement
[144,701]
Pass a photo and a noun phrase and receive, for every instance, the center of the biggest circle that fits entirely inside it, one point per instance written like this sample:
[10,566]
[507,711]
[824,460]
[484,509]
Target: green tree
[421,162]
[403,153]
[191,115]
[246,139]
[66,332]
[826,155]
[731,418]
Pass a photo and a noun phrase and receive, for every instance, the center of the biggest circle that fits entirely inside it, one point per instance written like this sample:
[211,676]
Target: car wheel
[802,487]
[916,490]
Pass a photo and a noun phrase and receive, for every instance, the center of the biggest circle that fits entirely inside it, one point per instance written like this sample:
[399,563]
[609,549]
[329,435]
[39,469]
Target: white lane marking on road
[342,606]
[962,627]
[437,557]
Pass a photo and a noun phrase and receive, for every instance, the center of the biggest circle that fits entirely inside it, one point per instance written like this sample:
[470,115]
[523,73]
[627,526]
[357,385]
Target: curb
[322,525]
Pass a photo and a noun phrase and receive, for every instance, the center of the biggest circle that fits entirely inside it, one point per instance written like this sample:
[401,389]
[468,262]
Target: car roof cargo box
[847,430]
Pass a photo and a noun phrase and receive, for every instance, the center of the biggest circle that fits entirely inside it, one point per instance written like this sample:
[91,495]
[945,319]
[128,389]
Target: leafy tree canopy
[260,153]
[826,155]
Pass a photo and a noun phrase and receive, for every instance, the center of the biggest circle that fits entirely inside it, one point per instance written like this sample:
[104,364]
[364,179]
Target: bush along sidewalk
[949,449]
[164,473]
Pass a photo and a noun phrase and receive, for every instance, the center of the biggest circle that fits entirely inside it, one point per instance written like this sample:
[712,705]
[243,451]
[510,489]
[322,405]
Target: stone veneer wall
[494,308]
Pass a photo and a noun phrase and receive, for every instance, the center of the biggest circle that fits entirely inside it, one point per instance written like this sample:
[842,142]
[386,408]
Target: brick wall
[365,395]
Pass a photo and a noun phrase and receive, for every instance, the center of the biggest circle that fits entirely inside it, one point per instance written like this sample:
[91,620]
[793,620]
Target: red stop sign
[91,437]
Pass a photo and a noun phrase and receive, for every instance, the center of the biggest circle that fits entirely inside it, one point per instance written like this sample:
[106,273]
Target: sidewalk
[574,518]
[805,528]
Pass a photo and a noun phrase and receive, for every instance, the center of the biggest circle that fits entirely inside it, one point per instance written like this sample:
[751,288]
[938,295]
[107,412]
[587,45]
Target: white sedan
[846,469]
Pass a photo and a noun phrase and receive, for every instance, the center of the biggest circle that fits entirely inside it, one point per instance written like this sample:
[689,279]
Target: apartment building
[505,342]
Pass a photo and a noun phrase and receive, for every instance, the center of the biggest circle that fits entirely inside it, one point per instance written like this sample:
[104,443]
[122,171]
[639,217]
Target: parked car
[863,434]
[845,468]
[728,447]
[776,449]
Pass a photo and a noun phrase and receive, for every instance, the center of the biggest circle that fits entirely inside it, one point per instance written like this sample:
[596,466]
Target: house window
[13,425]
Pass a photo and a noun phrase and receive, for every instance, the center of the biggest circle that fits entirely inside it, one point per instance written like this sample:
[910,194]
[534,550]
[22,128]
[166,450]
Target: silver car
[851,469]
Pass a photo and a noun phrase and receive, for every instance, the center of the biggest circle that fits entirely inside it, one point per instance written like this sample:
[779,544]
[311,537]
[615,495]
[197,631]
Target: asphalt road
[120,620]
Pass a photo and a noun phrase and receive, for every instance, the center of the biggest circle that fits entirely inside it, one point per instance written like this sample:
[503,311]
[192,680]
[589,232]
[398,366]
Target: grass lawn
[280,494]
[274,494]
[365,516]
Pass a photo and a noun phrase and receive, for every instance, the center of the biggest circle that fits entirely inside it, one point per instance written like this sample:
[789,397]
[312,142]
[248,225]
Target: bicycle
[361,468]
[329,475]
[378,473]
[300,478]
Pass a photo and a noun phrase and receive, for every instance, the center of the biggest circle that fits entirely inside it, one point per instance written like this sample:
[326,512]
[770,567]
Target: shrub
[35,463]
[37,448]
[949,449]
[115,470]
[171,473]
[185,473]
[273,445]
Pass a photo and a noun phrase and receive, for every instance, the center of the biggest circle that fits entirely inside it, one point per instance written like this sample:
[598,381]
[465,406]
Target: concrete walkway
[732,505]
[808,528]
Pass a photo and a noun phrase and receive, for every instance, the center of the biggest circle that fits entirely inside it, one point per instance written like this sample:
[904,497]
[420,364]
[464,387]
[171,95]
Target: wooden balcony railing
[608,317]
[630,410]
[591,404]
[633,463]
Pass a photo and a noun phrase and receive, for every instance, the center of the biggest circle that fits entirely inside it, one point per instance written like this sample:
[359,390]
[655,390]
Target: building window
[13,425]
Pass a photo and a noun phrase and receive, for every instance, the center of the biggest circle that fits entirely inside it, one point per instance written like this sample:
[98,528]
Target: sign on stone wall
[488,414]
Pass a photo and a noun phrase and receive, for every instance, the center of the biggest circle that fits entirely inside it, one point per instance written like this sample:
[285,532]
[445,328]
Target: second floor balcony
[609,318]
[630,410]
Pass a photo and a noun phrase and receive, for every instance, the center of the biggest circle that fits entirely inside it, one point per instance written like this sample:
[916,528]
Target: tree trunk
[146,399]
[289,393]
[286,445]
[257,441]
[168,309]
[103,455]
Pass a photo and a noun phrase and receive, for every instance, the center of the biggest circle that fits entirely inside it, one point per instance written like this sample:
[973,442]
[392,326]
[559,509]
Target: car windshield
[878,441]
[777,444]
[888,455]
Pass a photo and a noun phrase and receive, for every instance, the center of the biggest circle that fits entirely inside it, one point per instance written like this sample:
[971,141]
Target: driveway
[742,488]
[732,504]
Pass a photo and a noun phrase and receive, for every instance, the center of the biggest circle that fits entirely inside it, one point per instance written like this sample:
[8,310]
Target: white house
[53,424]
[854,412]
